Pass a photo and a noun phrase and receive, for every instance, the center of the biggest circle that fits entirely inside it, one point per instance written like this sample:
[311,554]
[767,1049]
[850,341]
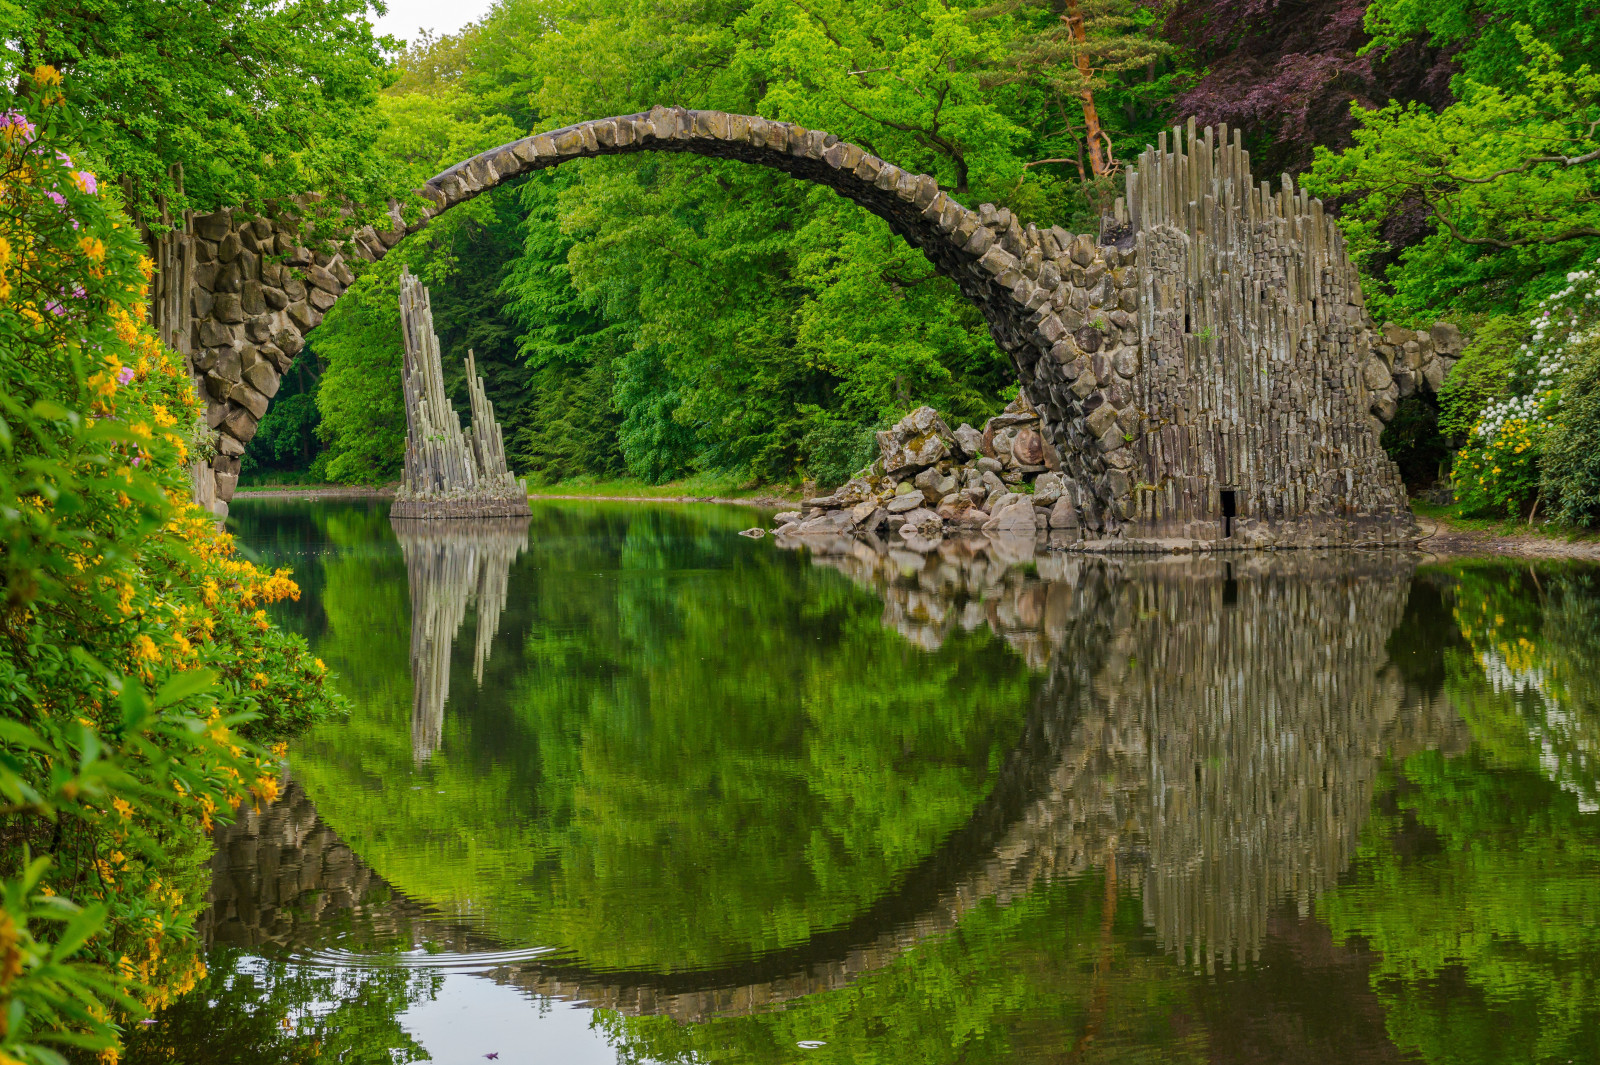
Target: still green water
[620,785]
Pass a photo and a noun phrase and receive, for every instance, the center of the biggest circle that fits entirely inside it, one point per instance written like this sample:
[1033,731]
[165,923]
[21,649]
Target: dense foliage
[255,100]
[136,661]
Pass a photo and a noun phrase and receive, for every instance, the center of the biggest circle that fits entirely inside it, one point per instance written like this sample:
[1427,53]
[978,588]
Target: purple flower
[61,201]
[13,120]
[125,375]
[138,460]
[90,185]
[55,308]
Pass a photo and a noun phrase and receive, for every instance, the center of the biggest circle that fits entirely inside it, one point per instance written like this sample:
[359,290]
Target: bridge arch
[1208,377]
[247,292]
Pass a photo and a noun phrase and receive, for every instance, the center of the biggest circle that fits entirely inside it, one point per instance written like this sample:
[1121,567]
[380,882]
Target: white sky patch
[439,17]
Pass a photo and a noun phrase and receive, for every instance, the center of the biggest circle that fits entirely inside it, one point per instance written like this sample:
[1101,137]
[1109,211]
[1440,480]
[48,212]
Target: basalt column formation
[1255,423]
[448,473]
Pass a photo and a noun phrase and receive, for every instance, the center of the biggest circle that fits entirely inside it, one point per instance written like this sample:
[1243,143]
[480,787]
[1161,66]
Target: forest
[652,318]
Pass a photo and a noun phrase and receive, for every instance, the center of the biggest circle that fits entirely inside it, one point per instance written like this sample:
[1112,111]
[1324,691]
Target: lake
[620,785]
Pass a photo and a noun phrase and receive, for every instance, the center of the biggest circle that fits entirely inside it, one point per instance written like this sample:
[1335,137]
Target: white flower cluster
[1556,330]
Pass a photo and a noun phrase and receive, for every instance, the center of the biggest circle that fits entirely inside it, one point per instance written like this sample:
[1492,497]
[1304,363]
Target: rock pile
[930,480]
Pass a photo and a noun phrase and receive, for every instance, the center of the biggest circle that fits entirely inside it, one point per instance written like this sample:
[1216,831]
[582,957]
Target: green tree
[1509,177]
[258,100]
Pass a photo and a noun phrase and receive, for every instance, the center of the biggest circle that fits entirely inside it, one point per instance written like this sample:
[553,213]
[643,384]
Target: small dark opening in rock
[1229,511]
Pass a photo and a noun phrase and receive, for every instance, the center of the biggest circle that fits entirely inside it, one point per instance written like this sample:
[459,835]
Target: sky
[439,16]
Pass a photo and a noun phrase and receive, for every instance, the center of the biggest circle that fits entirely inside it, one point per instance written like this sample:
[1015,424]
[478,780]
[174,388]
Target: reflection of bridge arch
[1215,729]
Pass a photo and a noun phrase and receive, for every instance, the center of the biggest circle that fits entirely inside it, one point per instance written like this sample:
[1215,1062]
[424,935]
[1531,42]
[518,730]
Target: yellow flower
[162,418]
[93,247]
[46,76]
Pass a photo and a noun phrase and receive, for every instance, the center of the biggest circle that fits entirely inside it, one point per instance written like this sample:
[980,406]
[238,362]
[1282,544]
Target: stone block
[214,334]
[249,399]
[228,308]
[1374,374]
[213,227]
[229,277]
[239,424]
[1435,372]
[1126,362]
[303,316]
[276,299]
[1100,419]
[229,247]
[321,300]
[252,299]
[1447,338]
[319,277]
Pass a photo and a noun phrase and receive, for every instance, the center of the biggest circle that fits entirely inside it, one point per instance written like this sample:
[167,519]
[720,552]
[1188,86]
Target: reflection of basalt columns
[448,473]
[450,564]
[1228,742]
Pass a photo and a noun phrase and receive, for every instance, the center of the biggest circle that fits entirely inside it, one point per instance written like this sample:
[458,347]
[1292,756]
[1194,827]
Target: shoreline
[1445,541]
[764,502]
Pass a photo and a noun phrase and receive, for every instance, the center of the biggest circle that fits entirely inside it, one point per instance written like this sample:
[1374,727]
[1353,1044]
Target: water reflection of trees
[451,565]
[1217,746]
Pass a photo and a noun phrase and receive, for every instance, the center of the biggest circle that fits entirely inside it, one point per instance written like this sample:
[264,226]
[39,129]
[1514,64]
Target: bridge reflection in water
[1207,735]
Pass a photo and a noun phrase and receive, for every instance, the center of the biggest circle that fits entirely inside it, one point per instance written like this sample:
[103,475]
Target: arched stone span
[249,314]
[1201,372]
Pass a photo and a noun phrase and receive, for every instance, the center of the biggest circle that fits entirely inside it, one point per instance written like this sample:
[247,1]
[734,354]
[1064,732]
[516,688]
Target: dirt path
[1447,541]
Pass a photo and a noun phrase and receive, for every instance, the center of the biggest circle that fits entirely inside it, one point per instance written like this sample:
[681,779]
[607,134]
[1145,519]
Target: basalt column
[448,473]
[1256,425]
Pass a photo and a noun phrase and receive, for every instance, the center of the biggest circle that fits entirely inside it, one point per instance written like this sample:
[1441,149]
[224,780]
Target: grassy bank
[698,486]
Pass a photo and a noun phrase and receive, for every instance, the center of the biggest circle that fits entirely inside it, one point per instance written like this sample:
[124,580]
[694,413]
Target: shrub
[136,661]
[835,448]
[1572,454]
[1499,469]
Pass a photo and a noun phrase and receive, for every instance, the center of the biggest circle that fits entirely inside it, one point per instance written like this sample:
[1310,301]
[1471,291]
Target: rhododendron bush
[139,676]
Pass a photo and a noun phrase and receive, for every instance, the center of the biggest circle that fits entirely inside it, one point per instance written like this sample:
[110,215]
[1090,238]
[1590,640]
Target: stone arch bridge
[1207,355]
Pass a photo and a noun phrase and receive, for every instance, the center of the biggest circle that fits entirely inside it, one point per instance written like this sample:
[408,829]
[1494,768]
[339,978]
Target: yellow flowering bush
[138,680]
